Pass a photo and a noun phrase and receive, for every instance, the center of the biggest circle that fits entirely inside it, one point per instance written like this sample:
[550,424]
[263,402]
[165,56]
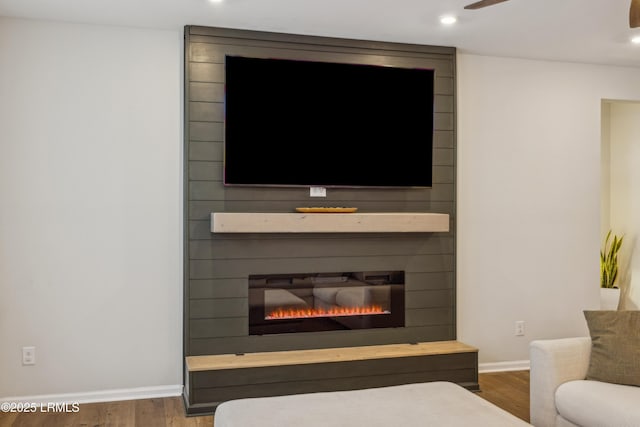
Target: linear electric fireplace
[287,303]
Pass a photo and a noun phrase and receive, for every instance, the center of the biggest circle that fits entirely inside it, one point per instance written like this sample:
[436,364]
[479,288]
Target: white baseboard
[516,365]
[101,396]
[176,390]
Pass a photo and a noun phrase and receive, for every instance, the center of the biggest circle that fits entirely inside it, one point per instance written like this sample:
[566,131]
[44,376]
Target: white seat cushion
[595,403]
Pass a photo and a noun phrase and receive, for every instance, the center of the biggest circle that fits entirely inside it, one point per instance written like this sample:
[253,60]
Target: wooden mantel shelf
[387,222]
[327,355]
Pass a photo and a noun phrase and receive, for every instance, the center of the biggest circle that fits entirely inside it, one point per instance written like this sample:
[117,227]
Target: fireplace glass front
[286,303]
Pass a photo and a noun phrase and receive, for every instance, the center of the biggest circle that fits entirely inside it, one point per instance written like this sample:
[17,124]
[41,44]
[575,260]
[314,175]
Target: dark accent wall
[217,266]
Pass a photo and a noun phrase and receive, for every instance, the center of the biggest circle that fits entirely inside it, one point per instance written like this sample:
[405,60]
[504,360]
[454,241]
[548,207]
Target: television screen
[307,123]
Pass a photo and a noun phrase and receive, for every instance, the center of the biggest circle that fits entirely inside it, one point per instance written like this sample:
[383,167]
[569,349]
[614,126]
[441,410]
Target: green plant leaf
[609,260]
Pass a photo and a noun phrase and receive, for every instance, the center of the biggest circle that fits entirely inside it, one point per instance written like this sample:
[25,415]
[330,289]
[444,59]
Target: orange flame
[297,313]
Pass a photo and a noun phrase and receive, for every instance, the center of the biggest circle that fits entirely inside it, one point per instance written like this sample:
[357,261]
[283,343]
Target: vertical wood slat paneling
[336,369]
[217,268]
[222,394]
[304,341]
[214,190]
[207,111]
[264,247]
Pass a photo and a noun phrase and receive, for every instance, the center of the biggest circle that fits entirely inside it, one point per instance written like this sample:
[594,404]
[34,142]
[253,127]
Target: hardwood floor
[508,390]
[161,412]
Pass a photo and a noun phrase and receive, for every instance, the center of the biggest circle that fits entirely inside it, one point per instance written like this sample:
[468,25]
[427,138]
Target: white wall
[529,197]
[605,172]
[624,195]
[90,207]
[90,203]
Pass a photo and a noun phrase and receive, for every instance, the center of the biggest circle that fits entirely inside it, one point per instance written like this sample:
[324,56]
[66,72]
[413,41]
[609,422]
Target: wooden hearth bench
[213,379]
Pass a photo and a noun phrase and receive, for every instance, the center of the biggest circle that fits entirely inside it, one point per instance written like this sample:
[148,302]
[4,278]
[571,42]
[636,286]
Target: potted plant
[609,291]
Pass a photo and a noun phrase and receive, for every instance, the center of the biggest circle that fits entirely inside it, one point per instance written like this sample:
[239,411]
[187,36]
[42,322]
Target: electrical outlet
[317,192]
[28,355]
[520,328]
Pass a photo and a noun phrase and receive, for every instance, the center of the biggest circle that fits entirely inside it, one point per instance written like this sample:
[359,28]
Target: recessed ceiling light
[448,20]
[635,39]
[216,1]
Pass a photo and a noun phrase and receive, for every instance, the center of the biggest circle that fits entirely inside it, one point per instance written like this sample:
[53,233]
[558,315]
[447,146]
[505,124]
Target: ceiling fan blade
[634,14]
[485,3]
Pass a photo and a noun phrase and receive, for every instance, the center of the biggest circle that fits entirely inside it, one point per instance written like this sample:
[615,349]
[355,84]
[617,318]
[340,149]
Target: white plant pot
[609,298]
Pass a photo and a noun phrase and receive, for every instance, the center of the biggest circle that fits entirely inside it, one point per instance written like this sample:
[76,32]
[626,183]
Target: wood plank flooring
[508,390]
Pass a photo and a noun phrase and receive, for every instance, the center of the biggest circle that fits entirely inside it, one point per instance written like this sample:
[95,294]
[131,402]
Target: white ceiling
[592,31]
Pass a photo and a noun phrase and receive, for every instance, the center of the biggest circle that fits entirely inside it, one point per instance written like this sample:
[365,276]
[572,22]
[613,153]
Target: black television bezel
[297,185]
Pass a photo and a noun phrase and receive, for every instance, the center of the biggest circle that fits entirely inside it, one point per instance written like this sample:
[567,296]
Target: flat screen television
[310,123]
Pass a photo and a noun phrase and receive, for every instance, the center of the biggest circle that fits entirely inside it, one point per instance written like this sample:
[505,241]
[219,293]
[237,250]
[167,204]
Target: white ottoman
[441,404]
